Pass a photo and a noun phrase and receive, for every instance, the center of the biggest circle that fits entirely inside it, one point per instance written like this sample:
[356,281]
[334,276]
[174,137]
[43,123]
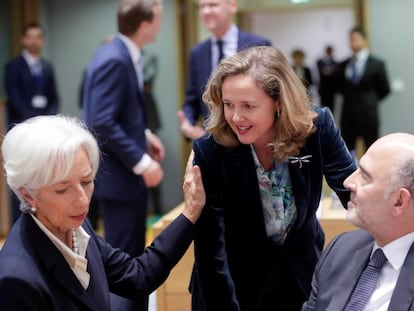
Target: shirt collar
[133,50]
[229,36]
[397,250]
[82,239]
[362,55]
[30,59]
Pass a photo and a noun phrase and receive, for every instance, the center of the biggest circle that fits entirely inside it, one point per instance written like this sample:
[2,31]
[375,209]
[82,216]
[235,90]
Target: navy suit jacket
[114,110]
[21,86]
[235,260]
[200,68]
[35,276]
[340,267]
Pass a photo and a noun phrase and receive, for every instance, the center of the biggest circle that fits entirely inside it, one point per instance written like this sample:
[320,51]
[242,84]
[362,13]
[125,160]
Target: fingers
[194,194]
[181,116]
[190,161]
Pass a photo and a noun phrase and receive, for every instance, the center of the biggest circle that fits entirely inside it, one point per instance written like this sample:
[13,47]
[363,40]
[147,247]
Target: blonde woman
[263,162]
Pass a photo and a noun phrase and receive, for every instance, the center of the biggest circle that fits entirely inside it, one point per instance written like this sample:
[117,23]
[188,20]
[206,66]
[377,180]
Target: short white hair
[41,150]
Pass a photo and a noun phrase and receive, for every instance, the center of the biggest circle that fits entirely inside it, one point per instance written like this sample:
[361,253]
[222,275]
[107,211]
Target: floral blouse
[279,208]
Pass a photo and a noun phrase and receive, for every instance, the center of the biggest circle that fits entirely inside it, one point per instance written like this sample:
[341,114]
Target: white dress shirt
[396,251]
[230,43]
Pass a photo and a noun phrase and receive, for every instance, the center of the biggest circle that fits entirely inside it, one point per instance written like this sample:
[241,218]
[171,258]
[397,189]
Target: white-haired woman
[52,258]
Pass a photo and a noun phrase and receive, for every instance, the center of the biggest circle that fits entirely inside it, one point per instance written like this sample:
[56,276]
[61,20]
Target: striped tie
[366,283]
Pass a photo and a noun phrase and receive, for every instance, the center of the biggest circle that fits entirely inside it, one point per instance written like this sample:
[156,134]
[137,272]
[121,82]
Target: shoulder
[351,239]
[324,118]
[17,61]
[347,243]
[16,261]
[200,46]
[374,60]
[210,151]
[249,39]
[205,144]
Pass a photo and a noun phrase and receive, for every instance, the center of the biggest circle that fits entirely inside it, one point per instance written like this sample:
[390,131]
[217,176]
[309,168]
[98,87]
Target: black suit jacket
[236,265]
[35,276]
[339,269]
[361,100]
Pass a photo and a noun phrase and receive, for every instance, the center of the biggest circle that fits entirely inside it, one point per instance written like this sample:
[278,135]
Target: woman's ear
[27,196]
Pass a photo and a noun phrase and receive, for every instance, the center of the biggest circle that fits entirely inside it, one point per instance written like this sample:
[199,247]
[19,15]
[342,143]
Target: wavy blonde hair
[274,75]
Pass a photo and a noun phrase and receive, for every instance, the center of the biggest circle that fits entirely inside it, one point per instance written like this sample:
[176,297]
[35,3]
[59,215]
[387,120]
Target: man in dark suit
[326,68]
[382,205]
[217,17]
[363,82]
[114,109]
[30,87]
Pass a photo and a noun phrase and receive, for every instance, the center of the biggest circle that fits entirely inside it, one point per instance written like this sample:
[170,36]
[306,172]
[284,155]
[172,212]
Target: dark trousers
[354,125]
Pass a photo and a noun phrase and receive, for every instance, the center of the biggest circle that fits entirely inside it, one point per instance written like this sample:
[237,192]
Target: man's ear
[403,200]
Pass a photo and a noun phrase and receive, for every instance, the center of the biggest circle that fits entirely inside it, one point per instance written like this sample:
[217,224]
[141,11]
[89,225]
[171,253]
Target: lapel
[366,69]
[98,286]
[54,263]
[402,297]
[204,62]
[349,277]
[27,74]
[123,50]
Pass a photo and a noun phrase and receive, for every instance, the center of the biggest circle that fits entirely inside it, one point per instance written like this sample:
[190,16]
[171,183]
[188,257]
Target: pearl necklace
[74,242]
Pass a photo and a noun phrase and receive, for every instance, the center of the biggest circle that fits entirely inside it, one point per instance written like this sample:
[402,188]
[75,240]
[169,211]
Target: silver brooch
[300,160]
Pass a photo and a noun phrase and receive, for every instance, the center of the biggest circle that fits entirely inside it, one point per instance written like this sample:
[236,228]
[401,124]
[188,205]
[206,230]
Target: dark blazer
[339,268]
[21,86]
[114,109]
[237,267]
[35,276]
[200,68]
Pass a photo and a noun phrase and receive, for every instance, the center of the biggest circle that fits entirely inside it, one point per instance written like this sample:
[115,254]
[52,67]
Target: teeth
[243,128]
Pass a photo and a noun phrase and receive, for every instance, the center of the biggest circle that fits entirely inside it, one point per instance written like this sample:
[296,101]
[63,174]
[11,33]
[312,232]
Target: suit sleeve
[338,163]
[381,81]
[215,285]
[139,276]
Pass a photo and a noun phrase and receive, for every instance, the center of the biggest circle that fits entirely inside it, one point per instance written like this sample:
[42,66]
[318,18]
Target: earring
[26,208]
[278,114]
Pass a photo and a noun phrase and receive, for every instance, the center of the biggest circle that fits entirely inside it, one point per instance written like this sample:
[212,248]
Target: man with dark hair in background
[363,82]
